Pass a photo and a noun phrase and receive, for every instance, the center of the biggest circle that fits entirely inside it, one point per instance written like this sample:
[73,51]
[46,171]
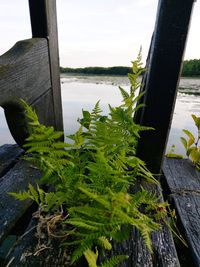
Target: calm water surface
[82,92]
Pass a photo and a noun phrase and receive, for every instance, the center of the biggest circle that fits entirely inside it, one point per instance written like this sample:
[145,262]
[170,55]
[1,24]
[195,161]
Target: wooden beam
[183,182]
[165,60]
[25,73]
[44,24]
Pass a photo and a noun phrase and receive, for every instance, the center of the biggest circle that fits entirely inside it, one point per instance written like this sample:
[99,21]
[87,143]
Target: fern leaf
[105,243]
[124,94]
[91,257]
[114,261]
[20,196]
[85,245]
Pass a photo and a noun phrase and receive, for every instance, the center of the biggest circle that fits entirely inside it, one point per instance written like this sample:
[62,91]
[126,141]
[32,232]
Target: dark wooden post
[164,64]
[44,24]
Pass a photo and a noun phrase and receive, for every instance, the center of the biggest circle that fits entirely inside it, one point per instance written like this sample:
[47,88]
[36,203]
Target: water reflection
[5,136]
[82,92]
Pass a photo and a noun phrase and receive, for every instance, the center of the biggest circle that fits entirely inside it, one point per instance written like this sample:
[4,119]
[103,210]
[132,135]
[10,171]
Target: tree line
[190,68]
[118,70]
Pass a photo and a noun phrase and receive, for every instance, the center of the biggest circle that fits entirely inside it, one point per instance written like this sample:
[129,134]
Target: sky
[95,32]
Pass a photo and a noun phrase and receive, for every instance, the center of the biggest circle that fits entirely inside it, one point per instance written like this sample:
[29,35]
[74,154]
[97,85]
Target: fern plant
[92,177]
[190,143]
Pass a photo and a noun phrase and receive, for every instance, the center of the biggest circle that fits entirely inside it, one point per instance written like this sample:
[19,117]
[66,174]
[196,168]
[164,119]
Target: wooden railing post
[165,60]
[44,24]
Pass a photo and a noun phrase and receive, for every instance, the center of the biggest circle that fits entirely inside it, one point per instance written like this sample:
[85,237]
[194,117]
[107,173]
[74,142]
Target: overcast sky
[95,32]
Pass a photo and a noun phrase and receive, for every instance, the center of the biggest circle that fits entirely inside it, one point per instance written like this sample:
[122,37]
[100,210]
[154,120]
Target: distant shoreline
[191,68]
[63,74]
[116,70]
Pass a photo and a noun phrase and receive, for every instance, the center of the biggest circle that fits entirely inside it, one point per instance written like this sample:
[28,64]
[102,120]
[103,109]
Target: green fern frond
[114,261]
[104,243]
[78,252]
[124,94]
[91,257]
[20,195]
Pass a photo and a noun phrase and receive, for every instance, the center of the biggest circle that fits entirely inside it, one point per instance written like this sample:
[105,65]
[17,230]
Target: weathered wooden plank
[44,24]
[165,61]
[44,109]
[164,253]
[8,157]
[25,252]
[15,180]
[183,182]
[24,71]
[181,176]
[188,209]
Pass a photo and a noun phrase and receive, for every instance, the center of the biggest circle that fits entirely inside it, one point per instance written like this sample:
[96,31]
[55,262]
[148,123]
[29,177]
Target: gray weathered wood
[24,73]
[15,180]
[164,253]
[183,181]
[182,176]
[44,108]
[25,251]
[25,254]
[44,24]
[188,209]
[8,157]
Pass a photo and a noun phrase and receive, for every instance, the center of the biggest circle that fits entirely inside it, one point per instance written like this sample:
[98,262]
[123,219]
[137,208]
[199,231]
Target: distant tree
[117,70]
[191,67]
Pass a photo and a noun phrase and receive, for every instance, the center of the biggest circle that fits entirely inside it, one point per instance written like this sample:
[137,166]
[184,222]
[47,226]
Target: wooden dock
[30,70]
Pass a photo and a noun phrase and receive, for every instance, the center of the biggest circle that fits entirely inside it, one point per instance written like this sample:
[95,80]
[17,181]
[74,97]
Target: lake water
[82,92]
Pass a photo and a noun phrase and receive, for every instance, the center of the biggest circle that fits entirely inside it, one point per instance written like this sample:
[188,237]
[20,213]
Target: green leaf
[195,155]
[189,150]
[184,142]
[91,257]
[86,120]
[106,244]
[189,134]
[114,261]
[20,196]
[196,120]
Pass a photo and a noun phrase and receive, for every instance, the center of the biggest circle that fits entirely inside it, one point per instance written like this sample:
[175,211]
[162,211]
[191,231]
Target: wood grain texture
[8,157]
[188,209]
[15,180]
[24,71]
[139,256]
[182,176]
[44,24]
[44,109]
[183,181]
[24,253]
[164,253]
